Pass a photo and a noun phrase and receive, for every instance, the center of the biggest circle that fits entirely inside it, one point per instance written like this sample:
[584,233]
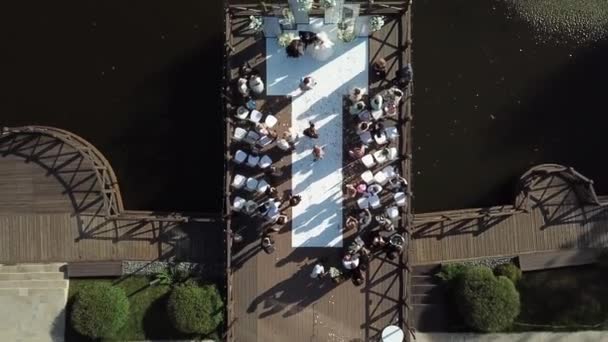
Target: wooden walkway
[272,297]
[52,209]
[558,218]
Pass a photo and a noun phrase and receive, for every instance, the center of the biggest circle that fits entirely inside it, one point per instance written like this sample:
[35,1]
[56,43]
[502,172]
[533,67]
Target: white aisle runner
[317,220]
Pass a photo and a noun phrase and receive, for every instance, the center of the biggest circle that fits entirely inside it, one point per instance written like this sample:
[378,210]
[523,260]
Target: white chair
[374,201]
[252,184]
[377,114]
[270,121]
[380,139]
[262,186]
[368,161]
[283,144]
[239,134]
[240,157]
[366,138]
[363,203]
[392,133]
[255,116]
[380,178]
[238,204]
[392,213]
[400,199]
[265,162]
[238,181]
[252,161]
[367,177]
[389,171]
[393,154]
[264,141]
[252,137]
[242,113]
[380,156]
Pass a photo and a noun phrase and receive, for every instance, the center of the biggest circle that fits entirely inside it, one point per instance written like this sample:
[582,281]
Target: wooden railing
[110,191]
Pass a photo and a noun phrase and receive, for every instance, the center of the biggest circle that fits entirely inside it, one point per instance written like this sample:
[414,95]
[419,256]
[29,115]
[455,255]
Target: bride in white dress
[322,48]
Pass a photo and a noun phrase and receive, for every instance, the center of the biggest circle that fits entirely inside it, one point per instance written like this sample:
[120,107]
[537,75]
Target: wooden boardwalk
[52,209]
[559,217]
[272,297]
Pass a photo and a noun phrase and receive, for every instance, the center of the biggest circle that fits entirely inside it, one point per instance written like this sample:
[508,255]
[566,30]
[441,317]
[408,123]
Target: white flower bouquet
[285,38]
[376,23]
[255,23]
[305,5]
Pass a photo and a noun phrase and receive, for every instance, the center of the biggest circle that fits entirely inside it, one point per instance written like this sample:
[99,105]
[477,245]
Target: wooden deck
[51,209]
[272,297]
[557,219]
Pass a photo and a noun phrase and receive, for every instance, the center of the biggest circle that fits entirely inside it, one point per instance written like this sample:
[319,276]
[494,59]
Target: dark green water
[490,101]
[138,79]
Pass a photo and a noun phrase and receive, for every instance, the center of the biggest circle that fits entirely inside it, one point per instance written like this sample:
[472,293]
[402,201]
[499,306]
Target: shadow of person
[293,295]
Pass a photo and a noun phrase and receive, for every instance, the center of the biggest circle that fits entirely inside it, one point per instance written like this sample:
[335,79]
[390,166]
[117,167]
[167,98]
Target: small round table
[392,333]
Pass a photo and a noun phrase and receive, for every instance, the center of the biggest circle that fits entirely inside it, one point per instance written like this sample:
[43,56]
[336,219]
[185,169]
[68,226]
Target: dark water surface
[138,79]
[490,102]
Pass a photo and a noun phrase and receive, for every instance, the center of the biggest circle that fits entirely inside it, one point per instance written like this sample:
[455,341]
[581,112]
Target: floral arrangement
[255,23]
[305,5]
[376,23]
[329,3]
[285,38]
[346,35]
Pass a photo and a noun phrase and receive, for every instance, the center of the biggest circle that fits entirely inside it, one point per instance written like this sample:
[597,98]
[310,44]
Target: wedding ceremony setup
[318,165]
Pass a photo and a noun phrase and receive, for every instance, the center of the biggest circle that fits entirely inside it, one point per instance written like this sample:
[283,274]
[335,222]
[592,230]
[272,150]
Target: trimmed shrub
[510,271]
[194,309]
[450,272]
[487,303]
[99,310]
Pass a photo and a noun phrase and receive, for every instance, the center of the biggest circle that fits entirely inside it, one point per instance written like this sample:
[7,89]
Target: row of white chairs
[373,201]
[389,134]
[241,157]
[381,177]
[372,159]
[251,137]
[256,116]
[250,184]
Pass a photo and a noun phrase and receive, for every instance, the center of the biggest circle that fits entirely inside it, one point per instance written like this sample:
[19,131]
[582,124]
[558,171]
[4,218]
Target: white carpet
[317,220]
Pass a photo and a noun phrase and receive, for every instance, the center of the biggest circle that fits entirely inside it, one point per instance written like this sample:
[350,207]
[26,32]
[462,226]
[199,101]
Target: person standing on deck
[307,83]
[311,131]
[318,152]
[318,271]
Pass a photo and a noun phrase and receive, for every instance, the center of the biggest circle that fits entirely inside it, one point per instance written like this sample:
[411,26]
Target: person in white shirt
[256,85]
[356,95]
[307,83]
[318,271]
[242,86]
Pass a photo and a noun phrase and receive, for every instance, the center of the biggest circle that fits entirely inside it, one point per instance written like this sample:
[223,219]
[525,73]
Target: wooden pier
[557,208]
[60,201]
[271,297]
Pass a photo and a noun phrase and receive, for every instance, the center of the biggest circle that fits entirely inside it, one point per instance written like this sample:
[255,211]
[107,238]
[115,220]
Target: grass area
[571,297]
[148,317]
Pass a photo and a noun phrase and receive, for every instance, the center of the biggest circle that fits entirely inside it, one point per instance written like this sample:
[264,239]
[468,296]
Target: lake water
[138,79]
[491,100]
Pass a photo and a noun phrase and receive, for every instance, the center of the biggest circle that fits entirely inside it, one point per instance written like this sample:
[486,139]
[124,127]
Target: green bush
[510,271]
[99,310]
[450,272]
[194,309]
[487,303]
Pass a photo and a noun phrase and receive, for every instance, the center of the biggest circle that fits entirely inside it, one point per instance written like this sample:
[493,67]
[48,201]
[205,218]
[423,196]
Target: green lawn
[148,314]
[564,297]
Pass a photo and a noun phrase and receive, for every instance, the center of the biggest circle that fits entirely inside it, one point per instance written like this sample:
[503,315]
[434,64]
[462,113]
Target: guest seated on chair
[357,152]
[356,95]
[267,244]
